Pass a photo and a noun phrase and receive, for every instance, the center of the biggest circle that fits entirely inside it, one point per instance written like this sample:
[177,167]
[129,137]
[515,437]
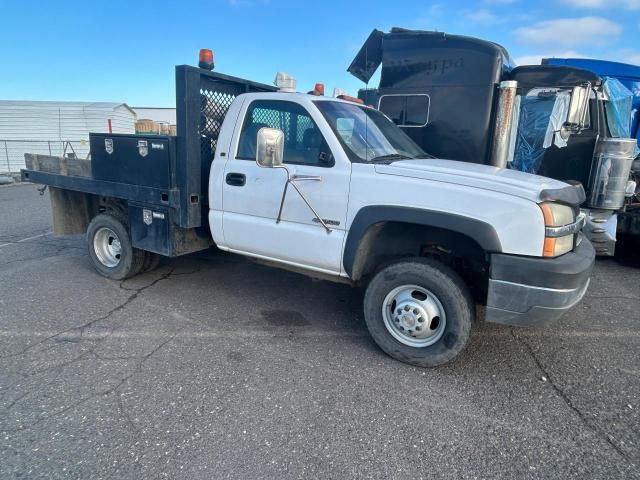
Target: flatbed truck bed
[159,182]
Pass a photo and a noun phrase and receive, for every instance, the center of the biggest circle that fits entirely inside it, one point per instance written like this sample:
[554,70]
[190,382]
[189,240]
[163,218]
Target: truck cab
[333,189]
[354,198]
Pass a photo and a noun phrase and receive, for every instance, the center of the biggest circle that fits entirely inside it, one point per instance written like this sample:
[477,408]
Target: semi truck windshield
[366,134]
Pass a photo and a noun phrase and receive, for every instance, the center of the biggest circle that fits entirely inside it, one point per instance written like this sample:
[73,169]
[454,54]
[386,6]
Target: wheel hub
[414,316]
[107,247]
[409,321]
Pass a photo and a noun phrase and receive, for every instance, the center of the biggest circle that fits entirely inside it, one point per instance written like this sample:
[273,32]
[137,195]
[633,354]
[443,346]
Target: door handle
[236,179]
[294,177]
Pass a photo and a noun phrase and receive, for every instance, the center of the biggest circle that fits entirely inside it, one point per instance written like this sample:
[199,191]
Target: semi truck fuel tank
[612,165]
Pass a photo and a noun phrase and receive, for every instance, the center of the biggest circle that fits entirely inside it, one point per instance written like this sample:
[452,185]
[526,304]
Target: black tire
[151,261]
[452,294]
[129,260]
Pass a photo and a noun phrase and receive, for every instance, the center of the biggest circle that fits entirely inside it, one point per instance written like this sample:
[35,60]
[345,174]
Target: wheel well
[385,242]
[114,206]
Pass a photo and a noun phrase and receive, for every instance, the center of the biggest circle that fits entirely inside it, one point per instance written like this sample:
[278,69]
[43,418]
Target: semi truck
[333,189]
[629,77]
[627,74]
[464,99]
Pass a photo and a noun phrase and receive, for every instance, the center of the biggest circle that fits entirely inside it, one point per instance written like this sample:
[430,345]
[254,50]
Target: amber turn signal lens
[549,247]
[556,215]
[547,214]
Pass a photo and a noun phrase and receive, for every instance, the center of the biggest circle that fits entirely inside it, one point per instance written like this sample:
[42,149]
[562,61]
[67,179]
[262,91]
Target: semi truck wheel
[419,311]
[110,247]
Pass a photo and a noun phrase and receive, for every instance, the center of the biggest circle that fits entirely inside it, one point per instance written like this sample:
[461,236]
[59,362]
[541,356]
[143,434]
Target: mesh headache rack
[202,100]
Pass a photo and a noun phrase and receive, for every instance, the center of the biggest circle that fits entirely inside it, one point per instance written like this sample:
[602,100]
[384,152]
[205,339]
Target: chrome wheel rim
[107,247]
[414,316]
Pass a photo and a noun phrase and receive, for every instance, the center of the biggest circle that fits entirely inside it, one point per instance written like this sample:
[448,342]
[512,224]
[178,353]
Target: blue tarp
[535,113]
[618,106]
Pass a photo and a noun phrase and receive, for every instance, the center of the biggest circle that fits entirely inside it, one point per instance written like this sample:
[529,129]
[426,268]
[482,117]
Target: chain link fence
[12,151]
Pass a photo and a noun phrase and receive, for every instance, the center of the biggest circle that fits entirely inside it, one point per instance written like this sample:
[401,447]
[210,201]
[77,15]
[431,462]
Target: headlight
[560,229]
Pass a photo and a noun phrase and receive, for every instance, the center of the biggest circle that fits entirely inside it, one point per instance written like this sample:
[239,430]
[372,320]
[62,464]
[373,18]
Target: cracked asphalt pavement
[215,367]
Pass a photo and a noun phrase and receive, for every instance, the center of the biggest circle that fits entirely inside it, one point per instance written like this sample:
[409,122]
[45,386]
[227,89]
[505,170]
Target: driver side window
[304,144]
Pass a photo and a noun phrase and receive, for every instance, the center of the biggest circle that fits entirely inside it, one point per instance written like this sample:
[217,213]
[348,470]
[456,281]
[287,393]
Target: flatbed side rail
[202,101]
[137,193]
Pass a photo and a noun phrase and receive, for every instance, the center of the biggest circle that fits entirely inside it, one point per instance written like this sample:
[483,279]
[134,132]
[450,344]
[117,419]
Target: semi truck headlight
[560,229]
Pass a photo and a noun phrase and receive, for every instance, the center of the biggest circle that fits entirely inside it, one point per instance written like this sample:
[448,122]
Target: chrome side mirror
[269,147]
[577,116]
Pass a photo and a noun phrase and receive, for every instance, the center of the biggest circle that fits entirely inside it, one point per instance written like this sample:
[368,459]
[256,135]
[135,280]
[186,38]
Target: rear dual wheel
[151,261]
[110,248]
[419,311]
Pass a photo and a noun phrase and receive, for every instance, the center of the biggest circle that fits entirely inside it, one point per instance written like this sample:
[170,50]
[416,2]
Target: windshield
[366,134]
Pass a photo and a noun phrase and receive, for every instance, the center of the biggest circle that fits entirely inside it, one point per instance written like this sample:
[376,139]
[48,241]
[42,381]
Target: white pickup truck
[332,189]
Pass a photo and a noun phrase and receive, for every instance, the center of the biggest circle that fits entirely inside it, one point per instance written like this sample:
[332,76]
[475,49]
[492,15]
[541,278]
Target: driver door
[252,195]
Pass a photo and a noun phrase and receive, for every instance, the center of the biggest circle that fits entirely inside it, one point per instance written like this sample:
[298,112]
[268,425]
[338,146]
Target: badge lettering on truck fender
[149,215]
[143,148]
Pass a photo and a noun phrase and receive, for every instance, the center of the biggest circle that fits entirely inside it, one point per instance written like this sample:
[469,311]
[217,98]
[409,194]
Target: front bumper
[526,291]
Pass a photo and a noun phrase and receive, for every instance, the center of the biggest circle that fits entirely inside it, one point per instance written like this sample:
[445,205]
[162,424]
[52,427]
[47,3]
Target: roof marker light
[342,95]
[337,92]
[205,59]
[349,98]
[318,90]
[285,82]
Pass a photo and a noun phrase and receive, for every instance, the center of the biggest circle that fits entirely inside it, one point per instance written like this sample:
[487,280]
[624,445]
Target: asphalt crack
[82,328]
[136,292]
[57,253]
[113,389]
[567,400]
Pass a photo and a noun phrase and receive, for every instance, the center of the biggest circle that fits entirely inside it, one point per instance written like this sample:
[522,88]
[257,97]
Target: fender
[483,233]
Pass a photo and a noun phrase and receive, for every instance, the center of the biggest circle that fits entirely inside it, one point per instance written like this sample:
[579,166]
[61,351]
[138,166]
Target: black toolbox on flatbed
[147,160]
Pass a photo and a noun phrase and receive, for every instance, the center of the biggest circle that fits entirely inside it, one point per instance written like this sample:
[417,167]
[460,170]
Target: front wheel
[419,311]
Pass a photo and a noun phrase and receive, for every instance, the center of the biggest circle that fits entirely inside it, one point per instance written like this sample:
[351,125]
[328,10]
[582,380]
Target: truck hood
[510,182]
